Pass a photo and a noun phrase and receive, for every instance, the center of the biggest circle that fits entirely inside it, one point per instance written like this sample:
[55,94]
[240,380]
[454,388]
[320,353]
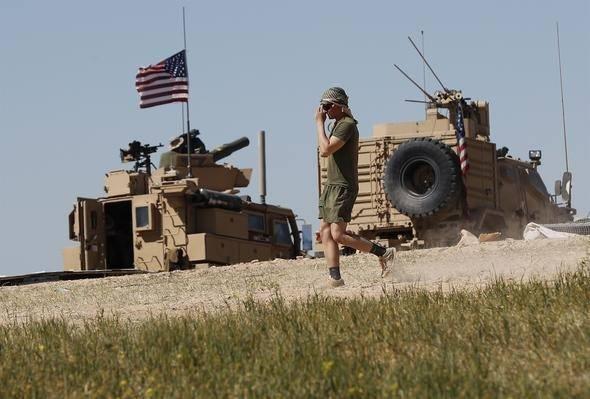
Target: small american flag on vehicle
[163,83]
[460,133]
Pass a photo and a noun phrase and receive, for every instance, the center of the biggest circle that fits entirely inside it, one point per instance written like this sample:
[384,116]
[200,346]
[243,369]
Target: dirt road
[137,297]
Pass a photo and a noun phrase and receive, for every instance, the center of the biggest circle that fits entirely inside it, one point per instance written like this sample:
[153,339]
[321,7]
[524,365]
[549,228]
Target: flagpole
[188,121]
[182,118]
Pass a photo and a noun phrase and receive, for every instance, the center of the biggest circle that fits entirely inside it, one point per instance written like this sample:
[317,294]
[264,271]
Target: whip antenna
[432,99]
[567,176]
[427,64]
[562,102]
[423,69]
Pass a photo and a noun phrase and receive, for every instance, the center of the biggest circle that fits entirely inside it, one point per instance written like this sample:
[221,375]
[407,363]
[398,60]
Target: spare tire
[422,177]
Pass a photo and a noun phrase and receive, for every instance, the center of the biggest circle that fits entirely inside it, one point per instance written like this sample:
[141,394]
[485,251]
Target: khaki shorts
[336,203]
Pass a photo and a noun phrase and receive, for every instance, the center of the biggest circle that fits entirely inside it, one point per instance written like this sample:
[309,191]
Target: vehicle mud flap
[423,177]
[176,259]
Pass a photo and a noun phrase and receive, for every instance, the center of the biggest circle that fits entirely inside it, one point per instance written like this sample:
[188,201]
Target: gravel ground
[218,288]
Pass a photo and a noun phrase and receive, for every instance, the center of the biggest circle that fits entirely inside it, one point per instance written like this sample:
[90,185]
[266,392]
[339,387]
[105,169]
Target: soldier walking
[341,187]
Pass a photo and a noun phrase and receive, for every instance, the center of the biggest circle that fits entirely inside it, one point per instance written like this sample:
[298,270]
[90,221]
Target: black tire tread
[451,165]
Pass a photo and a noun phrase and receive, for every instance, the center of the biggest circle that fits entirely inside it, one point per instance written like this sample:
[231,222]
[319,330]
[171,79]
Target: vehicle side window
[281,232]
[256,222]
[142,217]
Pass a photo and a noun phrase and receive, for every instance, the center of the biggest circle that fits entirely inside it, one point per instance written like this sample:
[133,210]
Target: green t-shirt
[343,164]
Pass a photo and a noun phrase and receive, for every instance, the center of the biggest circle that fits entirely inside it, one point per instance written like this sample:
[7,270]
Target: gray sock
[335,272]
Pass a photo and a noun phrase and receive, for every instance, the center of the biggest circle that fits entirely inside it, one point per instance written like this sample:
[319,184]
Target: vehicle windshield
[537,182]
[281,232]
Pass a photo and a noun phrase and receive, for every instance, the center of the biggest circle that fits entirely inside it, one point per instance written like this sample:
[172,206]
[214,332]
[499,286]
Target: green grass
[505,340]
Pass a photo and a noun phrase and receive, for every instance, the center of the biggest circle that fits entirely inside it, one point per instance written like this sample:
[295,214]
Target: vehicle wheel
[422,177]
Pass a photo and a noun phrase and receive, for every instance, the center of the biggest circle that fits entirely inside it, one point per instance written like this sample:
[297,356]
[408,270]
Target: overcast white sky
[68,102]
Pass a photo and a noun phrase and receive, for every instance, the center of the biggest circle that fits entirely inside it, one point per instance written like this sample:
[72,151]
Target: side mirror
[566,186]
[557,187]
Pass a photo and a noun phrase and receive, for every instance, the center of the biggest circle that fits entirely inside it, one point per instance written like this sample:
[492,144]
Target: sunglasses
[327,106]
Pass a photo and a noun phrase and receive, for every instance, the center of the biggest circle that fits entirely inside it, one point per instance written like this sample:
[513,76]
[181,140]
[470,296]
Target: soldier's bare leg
[342,237]
[331,250]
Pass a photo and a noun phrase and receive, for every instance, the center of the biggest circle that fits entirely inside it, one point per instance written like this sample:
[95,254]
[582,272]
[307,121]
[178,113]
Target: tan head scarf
[337,95]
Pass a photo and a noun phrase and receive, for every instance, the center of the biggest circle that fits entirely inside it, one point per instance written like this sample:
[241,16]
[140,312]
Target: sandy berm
[218,288]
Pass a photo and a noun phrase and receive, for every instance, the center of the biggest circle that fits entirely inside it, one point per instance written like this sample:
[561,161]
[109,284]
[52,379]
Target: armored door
[91,234]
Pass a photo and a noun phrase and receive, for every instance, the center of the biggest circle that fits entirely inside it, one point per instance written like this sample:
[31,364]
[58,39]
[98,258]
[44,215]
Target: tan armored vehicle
[177,217]
[412,189]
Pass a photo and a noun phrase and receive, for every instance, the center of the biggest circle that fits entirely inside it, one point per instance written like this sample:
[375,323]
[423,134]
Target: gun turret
[179,144]
[226,150]
[205,167]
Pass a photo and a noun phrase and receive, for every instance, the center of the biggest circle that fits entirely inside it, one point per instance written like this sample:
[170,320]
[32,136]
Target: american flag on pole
[460,133]
[163,83]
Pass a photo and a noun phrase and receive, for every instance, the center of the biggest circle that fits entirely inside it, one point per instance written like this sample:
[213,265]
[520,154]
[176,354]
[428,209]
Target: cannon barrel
[214,199]
[226,150]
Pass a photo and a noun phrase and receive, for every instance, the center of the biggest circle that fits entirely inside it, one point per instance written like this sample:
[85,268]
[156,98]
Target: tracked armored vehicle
[181,215]
[421,182]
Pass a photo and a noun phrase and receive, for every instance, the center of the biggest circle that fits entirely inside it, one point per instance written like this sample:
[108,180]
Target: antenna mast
[415,84]
[562,102]
[424,71]
[427,64]
[188,121]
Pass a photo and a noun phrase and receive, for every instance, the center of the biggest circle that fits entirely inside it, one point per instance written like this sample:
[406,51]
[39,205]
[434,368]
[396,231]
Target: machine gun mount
[140,154]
